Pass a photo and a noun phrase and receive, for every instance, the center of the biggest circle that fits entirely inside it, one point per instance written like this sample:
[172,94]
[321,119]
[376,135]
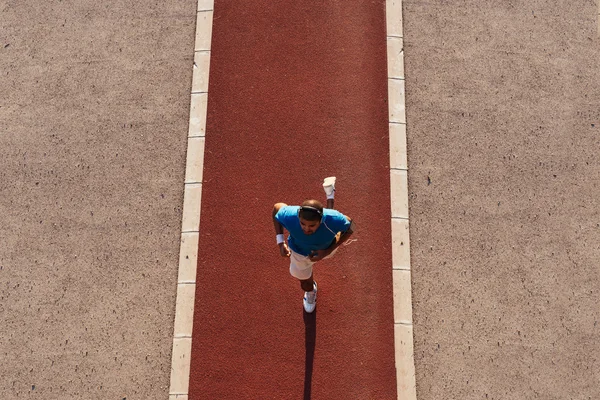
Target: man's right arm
[283,247]
[277,224]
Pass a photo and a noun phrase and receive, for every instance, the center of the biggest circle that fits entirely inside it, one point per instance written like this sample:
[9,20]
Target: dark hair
[311,210]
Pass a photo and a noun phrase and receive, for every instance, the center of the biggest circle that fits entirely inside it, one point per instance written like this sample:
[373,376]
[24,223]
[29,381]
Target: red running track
[298,92]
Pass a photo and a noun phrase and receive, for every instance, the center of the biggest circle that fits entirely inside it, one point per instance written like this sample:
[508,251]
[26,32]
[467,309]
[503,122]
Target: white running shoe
[310,299]
[329,186]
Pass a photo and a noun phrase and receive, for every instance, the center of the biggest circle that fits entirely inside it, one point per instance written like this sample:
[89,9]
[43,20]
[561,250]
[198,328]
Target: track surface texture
[504,179]
[297,92]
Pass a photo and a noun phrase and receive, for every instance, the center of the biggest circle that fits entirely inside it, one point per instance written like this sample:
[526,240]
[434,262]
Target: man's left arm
[341,237]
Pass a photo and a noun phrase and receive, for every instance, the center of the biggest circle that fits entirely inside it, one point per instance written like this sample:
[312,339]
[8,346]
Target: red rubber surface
[298,92]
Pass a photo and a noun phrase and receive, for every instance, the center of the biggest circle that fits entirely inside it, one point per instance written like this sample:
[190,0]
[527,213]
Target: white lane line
[190,221]
[199,102]
[203,30]
[403,329]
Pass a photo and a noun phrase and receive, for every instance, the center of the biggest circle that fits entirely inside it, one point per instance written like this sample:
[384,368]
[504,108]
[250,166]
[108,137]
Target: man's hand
[318,255]
[284,250]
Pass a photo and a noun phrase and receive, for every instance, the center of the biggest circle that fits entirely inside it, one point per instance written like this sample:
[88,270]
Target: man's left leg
[329,188]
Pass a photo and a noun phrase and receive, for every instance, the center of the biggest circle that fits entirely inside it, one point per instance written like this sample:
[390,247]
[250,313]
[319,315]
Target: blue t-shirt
[332,222]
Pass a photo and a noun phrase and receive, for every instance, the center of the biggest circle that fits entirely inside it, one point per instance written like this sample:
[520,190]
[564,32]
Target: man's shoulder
[288,212]
[291,209]
[332,214]
[336,220]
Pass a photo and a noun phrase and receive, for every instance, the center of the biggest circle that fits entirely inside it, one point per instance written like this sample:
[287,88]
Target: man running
[315,233]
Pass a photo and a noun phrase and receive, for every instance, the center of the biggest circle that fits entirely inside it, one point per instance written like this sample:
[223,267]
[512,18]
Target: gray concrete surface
[94,103]
[503,111]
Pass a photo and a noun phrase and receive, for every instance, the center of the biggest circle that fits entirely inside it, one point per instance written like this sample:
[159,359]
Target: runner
[315,233]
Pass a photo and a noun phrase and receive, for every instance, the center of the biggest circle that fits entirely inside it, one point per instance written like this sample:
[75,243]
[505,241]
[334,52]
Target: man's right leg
[307,284]
[301,268]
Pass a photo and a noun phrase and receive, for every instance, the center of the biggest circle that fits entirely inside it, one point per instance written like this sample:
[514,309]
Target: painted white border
[190,224]
[403,329]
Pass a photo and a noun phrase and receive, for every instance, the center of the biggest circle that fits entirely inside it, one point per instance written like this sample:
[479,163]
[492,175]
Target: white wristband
[280,238]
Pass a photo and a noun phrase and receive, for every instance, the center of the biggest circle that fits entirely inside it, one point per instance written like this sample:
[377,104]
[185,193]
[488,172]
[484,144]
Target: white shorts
[301,266]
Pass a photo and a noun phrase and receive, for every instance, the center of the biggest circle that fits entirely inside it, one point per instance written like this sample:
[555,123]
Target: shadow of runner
[310,336]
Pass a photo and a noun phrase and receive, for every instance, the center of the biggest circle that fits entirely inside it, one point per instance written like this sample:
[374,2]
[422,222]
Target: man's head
[310,214]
